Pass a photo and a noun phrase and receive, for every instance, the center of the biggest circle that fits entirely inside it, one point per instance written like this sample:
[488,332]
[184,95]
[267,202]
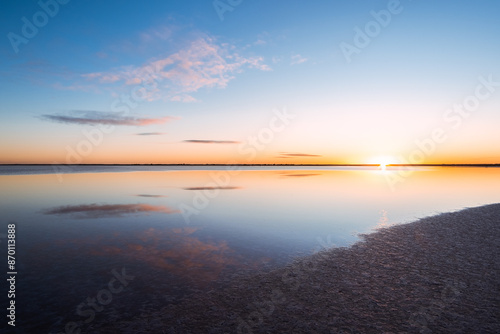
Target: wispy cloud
[150,195]
[297,59]
[203,63]
[201,141]
[90,117]
[211,188]
[300,175]
[107,210]
[296,155]
[276,59]
[183,98]
[162,33]
[150,134]
[152,40]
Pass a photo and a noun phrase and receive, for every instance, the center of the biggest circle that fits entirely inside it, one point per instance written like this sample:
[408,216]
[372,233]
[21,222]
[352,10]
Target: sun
[383,161]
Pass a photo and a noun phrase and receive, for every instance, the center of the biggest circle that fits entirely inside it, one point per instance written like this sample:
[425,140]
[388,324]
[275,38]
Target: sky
[239,81]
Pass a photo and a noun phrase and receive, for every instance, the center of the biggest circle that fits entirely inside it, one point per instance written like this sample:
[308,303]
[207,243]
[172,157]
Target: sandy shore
[440,274]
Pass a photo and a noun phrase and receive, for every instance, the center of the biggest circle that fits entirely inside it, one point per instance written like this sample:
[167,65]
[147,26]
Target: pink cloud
[201,64]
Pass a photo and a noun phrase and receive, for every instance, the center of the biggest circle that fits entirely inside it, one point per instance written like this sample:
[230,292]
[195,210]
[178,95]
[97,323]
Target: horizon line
[269,164]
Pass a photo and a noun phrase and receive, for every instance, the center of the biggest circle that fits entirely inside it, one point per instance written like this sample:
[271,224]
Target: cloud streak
[202,141]
[150,195]
[150,134]
[297,155]
[211,188]
[89,117]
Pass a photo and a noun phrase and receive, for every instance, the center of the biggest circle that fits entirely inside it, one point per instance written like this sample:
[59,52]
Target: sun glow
[383,161]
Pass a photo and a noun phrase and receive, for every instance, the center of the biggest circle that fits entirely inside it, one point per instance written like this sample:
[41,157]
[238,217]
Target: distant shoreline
[290,165]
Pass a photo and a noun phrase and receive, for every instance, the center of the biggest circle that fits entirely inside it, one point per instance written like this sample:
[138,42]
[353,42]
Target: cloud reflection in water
[185,254]
[106,210]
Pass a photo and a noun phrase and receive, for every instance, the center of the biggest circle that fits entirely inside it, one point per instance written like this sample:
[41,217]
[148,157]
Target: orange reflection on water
[178,251]
[182,254]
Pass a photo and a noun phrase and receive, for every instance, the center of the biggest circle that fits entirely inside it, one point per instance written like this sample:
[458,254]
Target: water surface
[181,230]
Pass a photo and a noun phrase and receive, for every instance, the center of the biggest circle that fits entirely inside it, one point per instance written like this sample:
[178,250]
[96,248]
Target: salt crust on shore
[440,274]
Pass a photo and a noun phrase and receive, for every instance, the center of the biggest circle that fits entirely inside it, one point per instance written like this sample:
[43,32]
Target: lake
[101,243]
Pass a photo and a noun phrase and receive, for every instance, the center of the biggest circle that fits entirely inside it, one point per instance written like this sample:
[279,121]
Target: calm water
[106,243]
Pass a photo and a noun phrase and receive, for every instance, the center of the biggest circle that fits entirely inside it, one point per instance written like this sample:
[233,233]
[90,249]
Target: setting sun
[383,161]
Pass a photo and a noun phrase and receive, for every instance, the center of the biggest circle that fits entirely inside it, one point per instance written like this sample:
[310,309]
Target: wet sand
[440,274]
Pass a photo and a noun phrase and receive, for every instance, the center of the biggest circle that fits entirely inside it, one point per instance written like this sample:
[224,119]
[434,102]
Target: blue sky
[218,81]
